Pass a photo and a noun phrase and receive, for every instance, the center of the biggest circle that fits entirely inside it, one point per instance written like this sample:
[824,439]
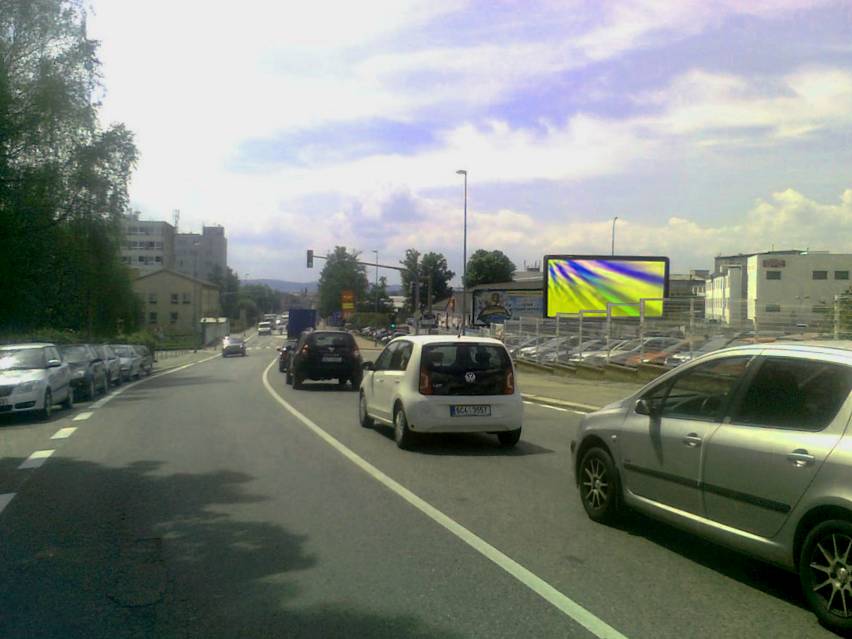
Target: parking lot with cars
[257,504]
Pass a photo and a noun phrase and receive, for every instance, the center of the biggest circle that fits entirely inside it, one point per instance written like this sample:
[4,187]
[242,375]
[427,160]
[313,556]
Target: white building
[777,289]
[147,245]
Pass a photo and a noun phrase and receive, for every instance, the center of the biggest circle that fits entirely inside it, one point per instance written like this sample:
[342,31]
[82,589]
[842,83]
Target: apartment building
[175,303]
[147,245]
[198,254]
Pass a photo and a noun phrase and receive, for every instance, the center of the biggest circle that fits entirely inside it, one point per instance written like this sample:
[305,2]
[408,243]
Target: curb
[550,401]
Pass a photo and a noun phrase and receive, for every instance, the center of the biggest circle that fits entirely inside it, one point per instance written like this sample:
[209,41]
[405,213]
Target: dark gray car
[748,447]
[112,363]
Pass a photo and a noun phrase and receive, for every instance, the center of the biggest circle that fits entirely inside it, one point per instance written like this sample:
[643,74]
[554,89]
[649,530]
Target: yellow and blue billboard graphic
[575,283]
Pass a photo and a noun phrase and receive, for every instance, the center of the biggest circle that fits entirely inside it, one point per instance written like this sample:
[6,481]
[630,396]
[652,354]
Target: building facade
[147,245]
[199,254]
[777,289]
[175,303]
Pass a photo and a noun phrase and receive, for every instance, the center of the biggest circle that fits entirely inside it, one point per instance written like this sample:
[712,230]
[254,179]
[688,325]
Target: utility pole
[464,255]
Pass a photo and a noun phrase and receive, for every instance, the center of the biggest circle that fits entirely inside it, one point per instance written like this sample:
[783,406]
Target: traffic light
[310,258]
[393,325]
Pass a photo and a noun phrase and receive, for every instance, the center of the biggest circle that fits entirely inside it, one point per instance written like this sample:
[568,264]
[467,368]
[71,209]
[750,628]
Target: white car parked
[442,384]
[33,377]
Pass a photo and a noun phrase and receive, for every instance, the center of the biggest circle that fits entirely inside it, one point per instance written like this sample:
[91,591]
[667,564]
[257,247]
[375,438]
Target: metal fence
[680,333]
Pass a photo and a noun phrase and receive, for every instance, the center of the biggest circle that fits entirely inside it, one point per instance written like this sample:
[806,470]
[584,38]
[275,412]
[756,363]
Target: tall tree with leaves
[489,267]
[63,179]
[430,264]
[340,273]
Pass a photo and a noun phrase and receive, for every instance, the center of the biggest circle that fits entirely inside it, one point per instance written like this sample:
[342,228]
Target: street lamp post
[614,220]
[464,255]
[376,288]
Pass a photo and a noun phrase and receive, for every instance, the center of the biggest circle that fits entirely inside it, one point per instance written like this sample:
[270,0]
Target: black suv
[325,355]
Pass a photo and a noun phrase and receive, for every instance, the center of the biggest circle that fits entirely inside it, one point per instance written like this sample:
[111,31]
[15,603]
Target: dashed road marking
[36,459]
[64,433]
[5,499]
[543,589]
[82,416]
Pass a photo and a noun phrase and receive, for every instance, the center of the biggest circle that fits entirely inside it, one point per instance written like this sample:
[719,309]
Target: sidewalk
[577,394]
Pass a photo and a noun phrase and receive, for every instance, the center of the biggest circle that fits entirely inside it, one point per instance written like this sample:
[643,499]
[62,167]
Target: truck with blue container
[298,320]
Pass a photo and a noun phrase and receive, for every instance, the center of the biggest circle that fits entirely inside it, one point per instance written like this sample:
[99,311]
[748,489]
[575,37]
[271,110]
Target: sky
[707,127]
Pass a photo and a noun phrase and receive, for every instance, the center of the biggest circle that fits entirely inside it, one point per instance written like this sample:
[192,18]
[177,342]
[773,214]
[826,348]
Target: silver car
[747,447]
[33,377]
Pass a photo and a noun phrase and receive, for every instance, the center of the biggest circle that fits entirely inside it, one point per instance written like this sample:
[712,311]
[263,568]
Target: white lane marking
[64,433]
[36,459]
[569,607]
[82,416]
[562,410]
[5,499]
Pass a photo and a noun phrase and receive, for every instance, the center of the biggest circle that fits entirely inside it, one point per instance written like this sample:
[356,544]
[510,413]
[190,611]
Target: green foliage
[431,264]
[229,290]
[63,179]
[265,298]
[380,320]
[340,273]
[489,267]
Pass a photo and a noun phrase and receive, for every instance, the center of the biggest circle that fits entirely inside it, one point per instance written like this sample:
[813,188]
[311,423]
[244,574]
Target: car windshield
[21,359]
[75,354]
[123,351]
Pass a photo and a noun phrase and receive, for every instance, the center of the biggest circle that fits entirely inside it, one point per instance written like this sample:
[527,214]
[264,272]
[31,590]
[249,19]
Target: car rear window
[466,368]
[337,340]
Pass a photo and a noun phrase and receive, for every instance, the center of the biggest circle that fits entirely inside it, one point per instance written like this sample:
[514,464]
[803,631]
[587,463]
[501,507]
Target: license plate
[470,411]
[332,358]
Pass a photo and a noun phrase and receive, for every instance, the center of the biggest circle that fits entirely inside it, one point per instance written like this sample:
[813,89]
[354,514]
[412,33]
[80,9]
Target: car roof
[15,347]
[445,339]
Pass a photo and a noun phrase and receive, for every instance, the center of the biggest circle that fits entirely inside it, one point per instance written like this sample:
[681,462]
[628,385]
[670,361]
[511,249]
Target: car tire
[68,402]
[297,382]
[599,485]
[821,576]
[105,385]
[363,416]
[47,410]
[402,434]
[356,382]
[90,389]
[289,378]
[509,438]
[342,381]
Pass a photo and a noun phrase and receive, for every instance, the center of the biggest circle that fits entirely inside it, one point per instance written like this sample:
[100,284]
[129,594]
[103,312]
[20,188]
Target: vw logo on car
[470,377]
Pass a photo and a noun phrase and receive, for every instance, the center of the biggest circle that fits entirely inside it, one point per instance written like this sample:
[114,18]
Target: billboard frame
[545,270]
[474,292]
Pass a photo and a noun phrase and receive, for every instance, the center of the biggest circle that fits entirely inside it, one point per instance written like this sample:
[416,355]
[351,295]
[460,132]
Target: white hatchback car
[442,384]
[33,377]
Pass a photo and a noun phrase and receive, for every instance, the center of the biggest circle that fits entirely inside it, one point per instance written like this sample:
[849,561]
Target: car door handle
[800,457]
[692,440]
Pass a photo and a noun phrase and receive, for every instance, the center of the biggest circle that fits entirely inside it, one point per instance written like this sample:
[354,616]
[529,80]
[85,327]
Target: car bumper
[233,351]
[22,402]
[432,414]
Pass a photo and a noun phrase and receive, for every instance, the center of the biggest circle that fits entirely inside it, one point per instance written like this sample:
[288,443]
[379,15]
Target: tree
[340,273]
[376,298]
[229,290]
[431,264]
[265,298]
[63,179]
[489,267]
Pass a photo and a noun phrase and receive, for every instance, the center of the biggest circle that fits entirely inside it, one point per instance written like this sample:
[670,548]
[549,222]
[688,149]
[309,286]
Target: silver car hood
[21,376]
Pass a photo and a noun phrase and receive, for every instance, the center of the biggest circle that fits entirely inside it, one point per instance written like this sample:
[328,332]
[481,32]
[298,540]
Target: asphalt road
[204,503]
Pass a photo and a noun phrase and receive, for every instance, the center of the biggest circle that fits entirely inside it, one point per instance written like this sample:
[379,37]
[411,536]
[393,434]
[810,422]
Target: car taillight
[425,382]
[305,349]
[509,385]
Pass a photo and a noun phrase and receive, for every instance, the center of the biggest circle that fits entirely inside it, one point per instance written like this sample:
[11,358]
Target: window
[152,298]
[152,317]
[773,275]
[141,259]
[820,275]
[383,363]
[772,308]
[187,298]
[466,368]
[820,308]
[175,298]
[401,355]
[173,317]
[799,394]
[158,259]
[700,393]
[841,275]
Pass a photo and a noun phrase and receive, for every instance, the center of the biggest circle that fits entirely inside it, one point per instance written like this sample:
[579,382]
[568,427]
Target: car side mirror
[367,366]
[53,363]
[644,407]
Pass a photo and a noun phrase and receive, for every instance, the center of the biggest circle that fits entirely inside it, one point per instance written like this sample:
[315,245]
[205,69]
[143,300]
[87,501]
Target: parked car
[32,378]
[442,384]
[146,365]
[325,355]
[232,345]
[633,356]
[712,344]
[284,354]
[111,363]
[747,447]
[88,372]
[129,361]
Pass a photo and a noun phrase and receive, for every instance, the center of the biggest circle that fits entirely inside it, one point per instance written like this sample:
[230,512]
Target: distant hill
[284,286]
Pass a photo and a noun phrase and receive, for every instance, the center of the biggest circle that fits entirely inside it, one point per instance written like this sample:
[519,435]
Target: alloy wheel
[832,573]
[595,483]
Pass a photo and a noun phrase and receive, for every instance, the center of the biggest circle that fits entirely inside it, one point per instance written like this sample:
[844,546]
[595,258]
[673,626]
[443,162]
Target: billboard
[494,305]
[574,283]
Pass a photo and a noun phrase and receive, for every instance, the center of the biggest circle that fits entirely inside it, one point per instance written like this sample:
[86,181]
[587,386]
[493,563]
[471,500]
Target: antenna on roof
[176,218]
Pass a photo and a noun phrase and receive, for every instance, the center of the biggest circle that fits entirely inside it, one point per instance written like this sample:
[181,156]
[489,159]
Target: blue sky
[706,127]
